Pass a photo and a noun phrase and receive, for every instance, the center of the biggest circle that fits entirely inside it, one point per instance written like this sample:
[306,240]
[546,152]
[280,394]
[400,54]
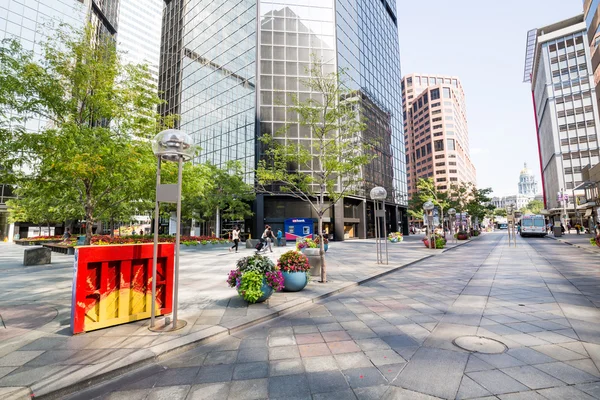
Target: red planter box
[112,285]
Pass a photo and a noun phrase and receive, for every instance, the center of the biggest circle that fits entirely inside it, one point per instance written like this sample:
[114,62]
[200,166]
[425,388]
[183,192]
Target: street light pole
[428,207]
[169,145]
[379,193]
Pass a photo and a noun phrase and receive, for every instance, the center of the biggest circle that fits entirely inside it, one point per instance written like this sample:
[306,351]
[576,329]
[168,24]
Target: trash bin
[557,231]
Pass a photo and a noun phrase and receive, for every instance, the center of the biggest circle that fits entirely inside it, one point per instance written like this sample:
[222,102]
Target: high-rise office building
[591,9]
[435,131]
[230,69]
[558,68]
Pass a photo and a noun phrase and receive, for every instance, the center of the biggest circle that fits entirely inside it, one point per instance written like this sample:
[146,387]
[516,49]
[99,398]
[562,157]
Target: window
[435,94]
[447,94]
[441,179]
[451,145]
[425,98]
[438,145]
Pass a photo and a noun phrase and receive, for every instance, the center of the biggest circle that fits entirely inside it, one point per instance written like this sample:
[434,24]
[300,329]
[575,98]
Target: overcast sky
[483,43]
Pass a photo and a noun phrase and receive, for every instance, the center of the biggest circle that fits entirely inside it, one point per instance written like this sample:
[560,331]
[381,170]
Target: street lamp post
[176,146]
[428,207]
[452,214]
[510,214]
[378,194]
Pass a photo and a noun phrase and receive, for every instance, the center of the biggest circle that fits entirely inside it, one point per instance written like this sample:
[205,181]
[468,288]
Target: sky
[483,43]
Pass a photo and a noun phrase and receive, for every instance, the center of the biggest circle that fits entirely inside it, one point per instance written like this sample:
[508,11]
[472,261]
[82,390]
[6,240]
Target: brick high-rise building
[435,131]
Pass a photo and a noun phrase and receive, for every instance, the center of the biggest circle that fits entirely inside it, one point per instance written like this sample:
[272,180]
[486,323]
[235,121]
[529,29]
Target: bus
[533,225]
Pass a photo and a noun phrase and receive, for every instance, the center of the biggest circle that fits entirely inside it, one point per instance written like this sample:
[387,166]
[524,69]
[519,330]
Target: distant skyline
[485,48]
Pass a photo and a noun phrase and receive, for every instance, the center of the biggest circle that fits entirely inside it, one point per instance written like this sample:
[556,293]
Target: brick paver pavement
[38,355]
[392,338]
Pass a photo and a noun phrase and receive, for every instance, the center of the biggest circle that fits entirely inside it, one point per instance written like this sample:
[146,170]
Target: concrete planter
[314,259]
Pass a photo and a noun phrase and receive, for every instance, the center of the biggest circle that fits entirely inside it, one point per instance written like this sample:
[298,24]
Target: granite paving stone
[532,377]
[386,339]
[497,382]
[567,373]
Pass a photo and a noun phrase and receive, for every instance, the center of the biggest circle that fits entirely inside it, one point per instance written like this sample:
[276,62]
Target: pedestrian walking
[66,235]
[235,234]
[279,236]
[268,237]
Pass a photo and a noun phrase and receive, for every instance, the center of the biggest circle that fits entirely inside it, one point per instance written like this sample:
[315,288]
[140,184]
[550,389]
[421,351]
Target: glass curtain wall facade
[208,71]
[230,71]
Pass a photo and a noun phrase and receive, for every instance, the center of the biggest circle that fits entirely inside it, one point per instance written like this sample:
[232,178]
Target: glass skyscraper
[231,69]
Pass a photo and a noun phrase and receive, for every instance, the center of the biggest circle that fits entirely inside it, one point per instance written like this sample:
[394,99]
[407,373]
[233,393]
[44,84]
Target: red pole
[537,131]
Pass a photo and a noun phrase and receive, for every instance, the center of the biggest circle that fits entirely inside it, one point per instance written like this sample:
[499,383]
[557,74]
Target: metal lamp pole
[170,145]
[428,207]
[452,213]
[379,193]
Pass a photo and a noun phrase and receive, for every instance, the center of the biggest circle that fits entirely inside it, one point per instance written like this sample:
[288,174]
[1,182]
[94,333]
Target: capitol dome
[527,182]
[525,170]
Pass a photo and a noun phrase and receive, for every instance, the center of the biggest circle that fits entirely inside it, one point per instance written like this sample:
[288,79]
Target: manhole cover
[480,344]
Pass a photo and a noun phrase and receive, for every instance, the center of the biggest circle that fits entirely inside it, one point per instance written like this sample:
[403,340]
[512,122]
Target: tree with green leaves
[224,194]
[427,190]
[337,152]
[99,114]
[533,207]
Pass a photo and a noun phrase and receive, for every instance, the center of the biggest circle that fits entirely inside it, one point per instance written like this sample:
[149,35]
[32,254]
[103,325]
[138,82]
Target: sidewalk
[39,356]
[582,241]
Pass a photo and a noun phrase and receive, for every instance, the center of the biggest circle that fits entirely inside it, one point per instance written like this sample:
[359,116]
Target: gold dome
[525,171]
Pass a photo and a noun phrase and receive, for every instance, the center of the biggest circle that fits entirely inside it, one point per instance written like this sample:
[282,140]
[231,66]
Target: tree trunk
[89,221]
[322,250]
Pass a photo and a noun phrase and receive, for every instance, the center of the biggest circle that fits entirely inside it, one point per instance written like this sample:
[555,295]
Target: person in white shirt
[235,235]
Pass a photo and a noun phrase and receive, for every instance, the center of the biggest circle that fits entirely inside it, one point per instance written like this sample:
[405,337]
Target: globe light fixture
[378,193]
[428,205]
[452,211]
[172,144]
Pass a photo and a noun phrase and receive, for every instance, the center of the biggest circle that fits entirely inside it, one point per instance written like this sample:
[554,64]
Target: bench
[61,248]
[36,256]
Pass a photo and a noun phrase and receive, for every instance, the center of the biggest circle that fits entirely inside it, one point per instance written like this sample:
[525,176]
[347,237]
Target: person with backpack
[268,237]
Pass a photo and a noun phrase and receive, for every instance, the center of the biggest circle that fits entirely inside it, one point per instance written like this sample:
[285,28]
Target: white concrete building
[559,71]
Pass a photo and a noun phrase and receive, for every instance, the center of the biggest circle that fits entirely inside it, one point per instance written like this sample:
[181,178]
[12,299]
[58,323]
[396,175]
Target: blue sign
[298,228]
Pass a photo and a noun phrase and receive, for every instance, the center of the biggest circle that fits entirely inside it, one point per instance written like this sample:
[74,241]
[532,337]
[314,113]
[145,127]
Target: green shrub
[250,286]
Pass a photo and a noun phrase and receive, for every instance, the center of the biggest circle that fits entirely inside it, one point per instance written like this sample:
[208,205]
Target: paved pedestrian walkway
[393,337]
[582,241]
[39,356]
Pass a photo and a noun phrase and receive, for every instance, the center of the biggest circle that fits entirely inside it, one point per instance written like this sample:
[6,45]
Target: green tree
[533,207]
[99,115]
[337,153]
[222,194]
[427,190]
[500,212]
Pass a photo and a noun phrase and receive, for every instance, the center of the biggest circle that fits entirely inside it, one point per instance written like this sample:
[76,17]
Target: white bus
[533,225]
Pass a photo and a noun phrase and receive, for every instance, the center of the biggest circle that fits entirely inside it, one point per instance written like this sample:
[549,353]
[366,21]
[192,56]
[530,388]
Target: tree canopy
[97,113]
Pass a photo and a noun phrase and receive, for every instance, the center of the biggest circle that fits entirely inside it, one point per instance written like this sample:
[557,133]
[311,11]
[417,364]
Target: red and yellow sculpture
[112,285]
